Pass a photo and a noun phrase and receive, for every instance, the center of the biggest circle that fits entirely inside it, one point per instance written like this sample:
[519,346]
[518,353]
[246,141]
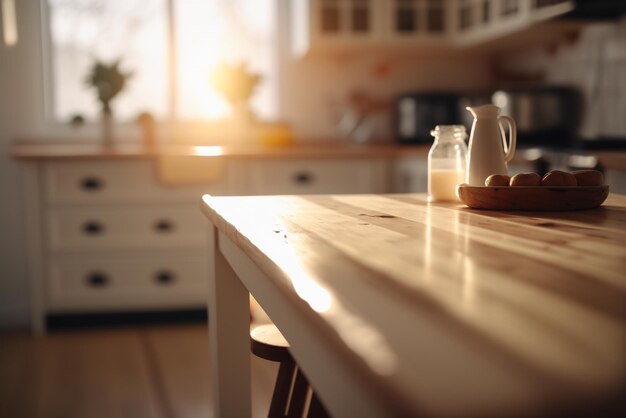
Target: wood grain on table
[452,311]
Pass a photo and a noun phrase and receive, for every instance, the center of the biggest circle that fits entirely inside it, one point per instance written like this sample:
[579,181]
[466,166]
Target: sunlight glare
[208,150]
[200,47]
[306,287]
[9,22]
[279,243]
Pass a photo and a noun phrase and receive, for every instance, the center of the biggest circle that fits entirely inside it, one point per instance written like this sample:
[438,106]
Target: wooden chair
[293,396]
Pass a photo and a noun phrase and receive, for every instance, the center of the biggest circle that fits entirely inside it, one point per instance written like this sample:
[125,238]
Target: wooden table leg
[229,340]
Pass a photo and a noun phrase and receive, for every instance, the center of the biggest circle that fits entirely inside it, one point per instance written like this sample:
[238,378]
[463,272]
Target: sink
[196,165]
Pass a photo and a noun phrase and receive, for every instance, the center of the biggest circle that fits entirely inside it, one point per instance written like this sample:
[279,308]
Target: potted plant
[108,81]
[235,84]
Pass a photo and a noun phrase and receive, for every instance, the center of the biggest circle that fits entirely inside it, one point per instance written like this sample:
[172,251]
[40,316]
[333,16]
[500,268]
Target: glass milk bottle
[446,162]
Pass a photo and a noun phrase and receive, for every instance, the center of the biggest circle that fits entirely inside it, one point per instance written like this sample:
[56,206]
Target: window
[169,46]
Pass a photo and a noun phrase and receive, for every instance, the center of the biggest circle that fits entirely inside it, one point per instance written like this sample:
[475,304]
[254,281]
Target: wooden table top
[452,311]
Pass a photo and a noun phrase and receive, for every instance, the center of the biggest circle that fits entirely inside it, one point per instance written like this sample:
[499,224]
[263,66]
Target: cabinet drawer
[114,181]
[133,227]
[126,282]
[299,176]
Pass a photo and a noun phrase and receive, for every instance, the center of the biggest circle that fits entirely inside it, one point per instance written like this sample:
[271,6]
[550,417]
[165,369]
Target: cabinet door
[350,18]
[616,179]
[338,23]
[415,20]
[131,227]
[96,182]
[104,281]
[411,175]
[481,20]
[342,25]
[299,176]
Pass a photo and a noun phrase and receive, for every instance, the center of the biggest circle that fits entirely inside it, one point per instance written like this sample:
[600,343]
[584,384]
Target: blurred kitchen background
[362,77]
[319,72]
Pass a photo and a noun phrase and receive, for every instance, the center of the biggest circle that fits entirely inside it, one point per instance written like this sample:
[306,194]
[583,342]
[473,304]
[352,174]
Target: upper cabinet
[323,24]
[341,25]
[415,22]
[483,20]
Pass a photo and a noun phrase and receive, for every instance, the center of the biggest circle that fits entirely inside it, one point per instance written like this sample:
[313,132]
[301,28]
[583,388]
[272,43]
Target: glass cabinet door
[335,25]
[330,14]
[345,17]
[485,12]
[435,16]
[466,14]
[405,16]
[360,11]
[418,17]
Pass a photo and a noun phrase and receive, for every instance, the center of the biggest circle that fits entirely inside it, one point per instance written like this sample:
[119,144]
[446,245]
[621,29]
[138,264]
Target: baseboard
[18,317]
[123,319]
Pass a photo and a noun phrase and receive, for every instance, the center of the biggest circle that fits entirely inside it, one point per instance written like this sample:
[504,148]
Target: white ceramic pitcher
[488,151]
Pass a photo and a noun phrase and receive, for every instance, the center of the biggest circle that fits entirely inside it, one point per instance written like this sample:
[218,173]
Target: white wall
[316,88]
[596,64]
[20,98]
[311,87]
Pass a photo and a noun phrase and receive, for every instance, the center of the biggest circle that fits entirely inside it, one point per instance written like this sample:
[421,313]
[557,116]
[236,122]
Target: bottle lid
[449,132]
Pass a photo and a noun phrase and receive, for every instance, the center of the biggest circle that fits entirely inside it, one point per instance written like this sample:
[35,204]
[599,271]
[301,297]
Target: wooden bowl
[539,198]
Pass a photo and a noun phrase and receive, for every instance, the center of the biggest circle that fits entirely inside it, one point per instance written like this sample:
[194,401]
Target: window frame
[170,125]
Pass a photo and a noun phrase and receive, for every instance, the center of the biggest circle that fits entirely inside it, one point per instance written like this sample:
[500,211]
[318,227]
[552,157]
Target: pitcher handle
[510,152]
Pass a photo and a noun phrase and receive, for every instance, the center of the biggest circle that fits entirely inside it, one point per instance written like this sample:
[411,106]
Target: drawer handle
[91,184]
[303,177]
[164,225]
[93,228]
[97,279]
[164,277]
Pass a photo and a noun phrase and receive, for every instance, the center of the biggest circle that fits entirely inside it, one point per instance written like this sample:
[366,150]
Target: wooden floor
[151,371]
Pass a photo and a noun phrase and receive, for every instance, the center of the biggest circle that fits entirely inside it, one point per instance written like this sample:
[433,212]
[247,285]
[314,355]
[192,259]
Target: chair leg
[298,395]
[280,399]
[316,409]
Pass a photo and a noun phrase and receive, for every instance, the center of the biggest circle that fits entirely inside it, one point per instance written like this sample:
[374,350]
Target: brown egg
[497,180]
[526,179]
[559,178]
[589,177]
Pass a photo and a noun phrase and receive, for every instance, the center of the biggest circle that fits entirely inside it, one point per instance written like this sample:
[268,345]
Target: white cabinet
[415,22]
[616,179]
[484,20]
[335,23]
[342,25]
[109,181]
[125,280]
[410,175]
[304,176]
[108,226]
[108,235]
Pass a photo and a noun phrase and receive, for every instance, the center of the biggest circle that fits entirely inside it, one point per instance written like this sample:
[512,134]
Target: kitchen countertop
[329,149]
[65,150]
[615,160]
[394,306]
